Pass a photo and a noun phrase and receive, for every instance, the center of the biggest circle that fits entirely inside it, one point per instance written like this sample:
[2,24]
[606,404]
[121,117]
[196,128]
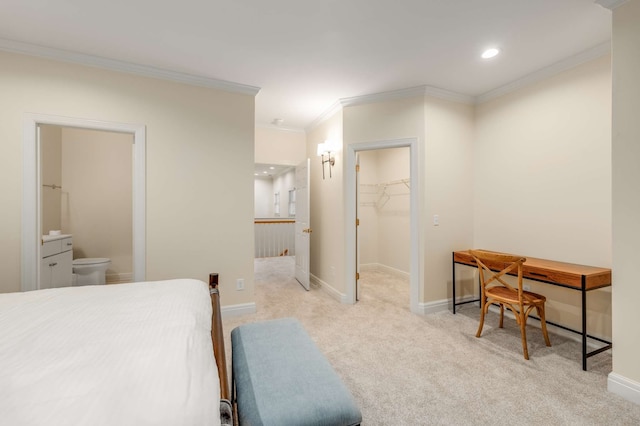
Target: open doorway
[274,223]
[87,195]
[281,220]
[274,210]
[384,221]
[351,265]
[32,225]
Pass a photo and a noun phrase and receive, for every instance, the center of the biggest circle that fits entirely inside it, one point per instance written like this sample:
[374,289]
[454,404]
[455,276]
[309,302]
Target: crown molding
[568,63]
[448,95]
[279,128]
[563,65]
[330,112]
[405,94]
[126,67]
[611,4]
[410,92]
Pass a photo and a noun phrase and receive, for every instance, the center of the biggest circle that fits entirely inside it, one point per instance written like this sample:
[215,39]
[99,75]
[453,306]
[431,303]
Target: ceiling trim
[126,67]
[448,95]
[330,112]
[611,4]
[563,65]
[279,128]
[407,93]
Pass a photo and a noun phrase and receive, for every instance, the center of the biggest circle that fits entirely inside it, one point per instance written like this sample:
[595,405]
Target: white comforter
[127,354]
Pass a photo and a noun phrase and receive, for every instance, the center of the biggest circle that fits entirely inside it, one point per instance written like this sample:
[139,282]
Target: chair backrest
[497,265]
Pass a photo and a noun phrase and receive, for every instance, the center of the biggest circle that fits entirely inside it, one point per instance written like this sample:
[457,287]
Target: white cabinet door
[55,271]
[62,271]
[46,272]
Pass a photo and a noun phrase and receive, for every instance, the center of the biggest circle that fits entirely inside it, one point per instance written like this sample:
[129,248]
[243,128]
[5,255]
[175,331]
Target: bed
[149,353]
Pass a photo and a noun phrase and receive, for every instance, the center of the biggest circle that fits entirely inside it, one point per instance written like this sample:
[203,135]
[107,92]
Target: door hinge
[357,276]
[357,167]
[357,222]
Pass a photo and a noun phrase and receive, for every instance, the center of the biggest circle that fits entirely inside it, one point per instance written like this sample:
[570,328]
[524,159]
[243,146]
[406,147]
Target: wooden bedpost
[217,337]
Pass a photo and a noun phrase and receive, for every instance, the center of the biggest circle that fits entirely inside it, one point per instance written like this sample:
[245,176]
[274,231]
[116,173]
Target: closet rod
[54,186]
[404,182]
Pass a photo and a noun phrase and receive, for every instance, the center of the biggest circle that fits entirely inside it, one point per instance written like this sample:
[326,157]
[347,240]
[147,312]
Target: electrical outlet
[240,284]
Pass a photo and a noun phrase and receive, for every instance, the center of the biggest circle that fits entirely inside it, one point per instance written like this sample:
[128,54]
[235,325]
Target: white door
[358,290]
[302,230]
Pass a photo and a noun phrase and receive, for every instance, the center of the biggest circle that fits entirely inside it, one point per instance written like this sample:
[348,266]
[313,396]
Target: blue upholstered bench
[280,378]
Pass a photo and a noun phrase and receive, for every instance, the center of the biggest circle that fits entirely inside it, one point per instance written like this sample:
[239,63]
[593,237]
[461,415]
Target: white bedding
[127,354]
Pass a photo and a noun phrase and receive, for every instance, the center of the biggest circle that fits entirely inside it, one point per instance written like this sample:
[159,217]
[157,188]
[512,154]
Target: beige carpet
[406,369]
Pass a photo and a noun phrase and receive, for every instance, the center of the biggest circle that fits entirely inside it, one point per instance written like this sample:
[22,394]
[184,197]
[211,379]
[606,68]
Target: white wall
[543,168]
[384,215]
[282,184]
[280,146]
[264,190]
[97,180]
[447,192]
[327,263]
[626,199]
[51,169]
[263,197]
[367,212]
[543,180]
[200,162]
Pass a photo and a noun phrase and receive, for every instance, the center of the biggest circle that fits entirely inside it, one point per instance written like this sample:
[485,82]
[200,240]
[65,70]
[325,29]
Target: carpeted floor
[407,369]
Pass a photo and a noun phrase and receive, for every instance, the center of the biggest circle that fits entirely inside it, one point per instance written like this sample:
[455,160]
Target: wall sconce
[326,148]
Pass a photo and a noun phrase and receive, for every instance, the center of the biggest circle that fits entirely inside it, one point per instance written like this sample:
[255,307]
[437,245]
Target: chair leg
[523,333]
[483,308]
[543,324]
[501,315]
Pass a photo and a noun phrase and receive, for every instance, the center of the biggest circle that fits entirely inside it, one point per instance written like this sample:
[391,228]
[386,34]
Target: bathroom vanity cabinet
[56,265]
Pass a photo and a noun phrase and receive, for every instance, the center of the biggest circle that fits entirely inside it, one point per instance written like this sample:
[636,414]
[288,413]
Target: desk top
[553,272]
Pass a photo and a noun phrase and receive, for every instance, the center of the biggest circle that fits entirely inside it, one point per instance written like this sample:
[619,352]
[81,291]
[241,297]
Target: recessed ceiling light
[490,53]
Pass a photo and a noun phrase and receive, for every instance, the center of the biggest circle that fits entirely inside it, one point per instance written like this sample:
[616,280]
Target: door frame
[32,187]
[416,267]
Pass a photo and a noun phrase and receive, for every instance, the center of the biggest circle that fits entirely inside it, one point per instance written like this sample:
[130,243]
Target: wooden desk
[576,277]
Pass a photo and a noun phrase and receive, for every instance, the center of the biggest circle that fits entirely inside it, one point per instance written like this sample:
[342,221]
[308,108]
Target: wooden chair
[494,289]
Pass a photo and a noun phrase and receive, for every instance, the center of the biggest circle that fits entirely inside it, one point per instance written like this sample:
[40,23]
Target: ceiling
[305,56]
[270,170]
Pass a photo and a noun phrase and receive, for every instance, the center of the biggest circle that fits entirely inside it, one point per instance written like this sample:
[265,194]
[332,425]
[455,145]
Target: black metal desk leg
[584,324]
[453,282]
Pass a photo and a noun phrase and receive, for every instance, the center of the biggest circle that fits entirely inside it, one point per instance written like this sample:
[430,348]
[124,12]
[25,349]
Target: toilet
[90,271]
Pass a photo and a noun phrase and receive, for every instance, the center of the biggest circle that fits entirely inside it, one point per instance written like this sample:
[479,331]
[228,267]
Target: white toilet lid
[91,261]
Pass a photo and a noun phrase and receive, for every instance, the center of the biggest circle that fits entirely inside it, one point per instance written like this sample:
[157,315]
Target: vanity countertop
[46,238]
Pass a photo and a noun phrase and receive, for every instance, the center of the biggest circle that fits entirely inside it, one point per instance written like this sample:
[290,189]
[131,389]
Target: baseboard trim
[440,305]
[384,268]
[126,277]
[326,287]
[433,307]
[624,387]
[238,310]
